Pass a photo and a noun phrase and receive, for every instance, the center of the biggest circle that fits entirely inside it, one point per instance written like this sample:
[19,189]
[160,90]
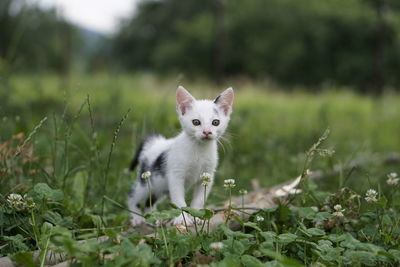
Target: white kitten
[177,163]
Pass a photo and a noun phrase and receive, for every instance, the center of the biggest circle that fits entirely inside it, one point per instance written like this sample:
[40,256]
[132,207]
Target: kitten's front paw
[137,220]
[188,220]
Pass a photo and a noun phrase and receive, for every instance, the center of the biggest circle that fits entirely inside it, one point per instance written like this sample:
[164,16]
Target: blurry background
[297,67]
[311,43]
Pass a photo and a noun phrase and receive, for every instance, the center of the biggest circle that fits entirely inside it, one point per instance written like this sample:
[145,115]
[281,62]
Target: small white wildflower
[259,218]
[206,178]
[315,208]
[15,200]
[338,211]
[308,172]
[337,207]
[392,180]
[217,246]
[146,175]
[243,191]
[229,183]
[371,196]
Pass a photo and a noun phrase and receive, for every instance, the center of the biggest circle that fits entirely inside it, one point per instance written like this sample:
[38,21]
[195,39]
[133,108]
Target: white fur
[188,155]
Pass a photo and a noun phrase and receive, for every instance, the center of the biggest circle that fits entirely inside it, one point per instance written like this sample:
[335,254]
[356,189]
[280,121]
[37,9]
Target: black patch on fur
[153,200]
[135,160]
[215,111]
[159,164]
[216,100]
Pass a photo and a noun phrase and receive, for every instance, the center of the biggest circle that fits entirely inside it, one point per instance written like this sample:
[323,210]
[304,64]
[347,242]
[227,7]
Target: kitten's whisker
[227,141]
[222,145]
[228,134]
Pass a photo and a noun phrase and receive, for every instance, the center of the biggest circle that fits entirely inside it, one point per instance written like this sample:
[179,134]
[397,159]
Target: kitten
[177,163]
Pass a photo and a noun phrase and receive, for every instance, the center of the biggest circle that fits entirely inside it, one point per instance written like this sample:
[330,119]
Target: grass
[79,135]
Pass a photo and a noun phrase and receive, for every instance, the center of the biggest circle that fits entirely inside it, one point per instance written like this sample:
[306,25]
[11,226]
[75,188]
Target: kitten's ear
[225,101]
[184,100]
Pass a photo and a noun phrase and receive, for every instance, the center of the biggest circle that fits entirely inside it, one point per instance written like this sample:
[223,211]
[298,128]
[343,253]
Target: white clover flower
[16,201]
[371,196]
[243,191]
[229,183]
[146,175]
[338,211]
[217,246]
[315,208]
[337,207]
[259,218]
[392,180]
[14,198]
[206,178]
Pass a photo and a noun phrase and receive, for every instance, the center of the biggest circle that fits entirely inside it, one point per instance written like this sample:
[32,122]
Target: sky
[98,15]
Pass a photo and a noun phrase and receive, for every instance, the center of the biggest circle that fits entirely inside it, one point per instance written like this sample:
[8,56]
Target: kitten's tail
[135,160]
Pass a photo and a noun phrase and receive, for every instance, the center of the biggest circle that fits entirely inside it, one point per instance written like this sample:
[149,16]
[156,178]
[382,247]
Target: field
[67,143]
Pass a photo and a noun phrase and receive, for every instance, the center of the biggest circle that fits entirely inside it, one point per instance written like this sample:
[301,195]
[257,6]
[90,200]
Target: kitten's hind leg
[138,194]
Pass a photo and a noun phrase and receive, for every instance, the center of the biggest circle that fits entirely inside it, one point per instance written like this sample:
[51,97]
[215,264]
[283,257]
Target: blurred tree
[168,35]
[34,39]
[294,42]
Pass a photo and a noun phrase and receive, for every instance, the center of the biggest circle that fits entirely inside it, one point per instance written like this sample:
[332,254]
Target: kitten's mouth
[206,138]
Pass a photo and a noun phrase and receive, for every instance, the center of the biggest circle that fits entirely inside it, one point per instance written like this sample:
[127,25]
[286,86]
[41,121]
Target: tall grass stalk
[28,139]
[67,136]
[303,184]
[114,141]
[95,149]
[93,132]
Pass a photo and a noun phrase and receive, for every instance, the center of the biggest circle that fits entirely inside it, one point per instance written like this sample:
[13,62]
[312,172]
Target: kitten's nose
[207,133]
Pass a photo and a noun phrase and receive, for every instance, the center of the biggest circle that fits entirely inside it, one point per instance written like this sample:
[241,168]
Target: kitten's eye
[215,122]
[196,122]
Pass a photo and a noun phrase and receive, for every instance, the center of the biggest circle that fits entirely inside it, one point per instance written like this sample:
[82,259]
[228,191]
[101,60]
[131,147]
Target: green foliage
[308,42]
[59,176]
[34,39]
[24,258]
